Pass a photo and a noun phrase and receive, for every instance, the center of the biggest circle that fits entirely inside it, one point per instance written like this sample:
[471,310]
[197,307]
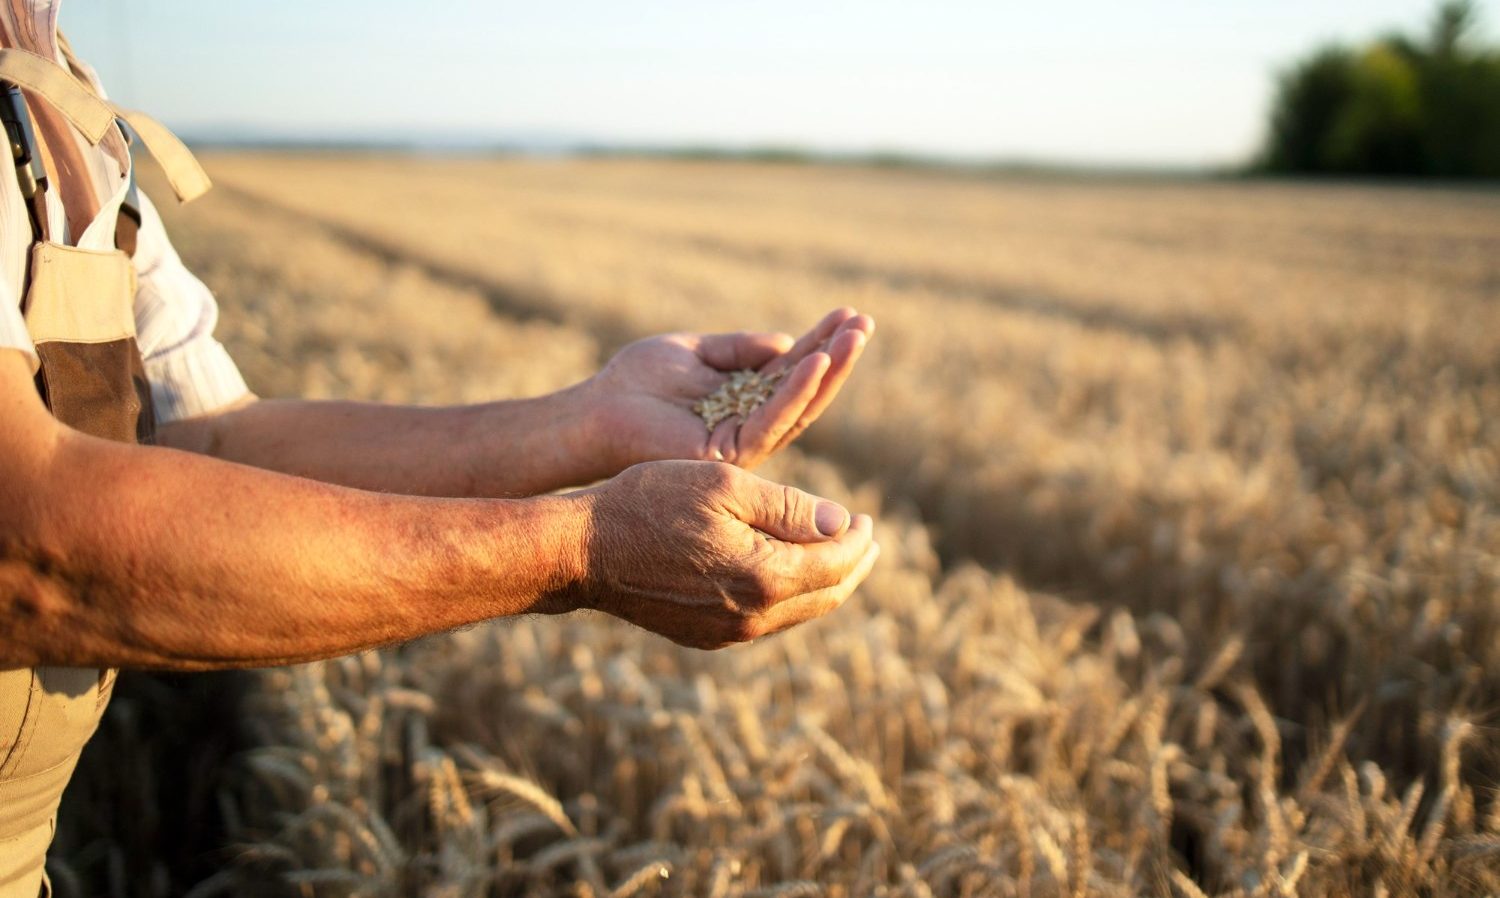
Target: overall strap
[55,84]
[188,179]
[128,220]
[79,303]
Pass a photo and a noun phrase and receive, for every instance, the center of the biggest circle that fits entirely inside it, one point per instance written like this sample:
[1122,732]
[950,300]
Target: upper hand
[643,399]
[709,555]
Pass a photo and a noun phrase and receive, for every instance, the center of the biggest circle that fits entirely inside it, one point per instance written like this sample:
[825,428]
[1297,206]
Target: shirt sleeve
[175,314]
[13,333]
[15,243]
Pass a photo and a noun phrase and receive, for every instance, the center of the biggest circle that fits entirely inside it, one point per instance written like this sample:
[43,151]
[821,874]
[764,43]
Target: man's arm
[639,408]
[125,556]
[510,448]
[116,555]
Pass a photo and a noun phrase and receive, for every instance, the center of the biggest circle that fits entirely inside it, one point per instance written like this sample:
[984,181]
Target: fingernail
[830,518]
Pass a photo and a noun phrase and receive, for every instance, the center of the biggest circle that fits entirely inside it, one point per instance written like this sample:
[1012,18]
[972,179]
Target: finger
[862,324]
[803,568]
[808,343]
[817,603]
[843,352]
[865,323]
[731,352]
[725,437]
[766,425]
[785,512]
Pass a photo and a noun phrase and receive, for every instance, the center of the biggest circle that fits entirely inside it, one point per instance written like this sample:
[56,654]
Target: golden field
[1188,494]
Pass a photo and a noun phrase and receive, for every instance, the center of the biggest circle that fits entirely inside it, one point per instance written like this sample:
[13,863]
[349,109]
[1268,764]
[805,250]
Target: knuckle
[645,476]
[719,476]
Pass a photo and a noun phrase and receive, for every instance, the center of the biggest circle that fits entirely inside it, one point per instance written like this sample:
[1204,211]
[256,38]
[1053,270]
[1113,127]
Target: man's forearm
[511,448]
[114,555]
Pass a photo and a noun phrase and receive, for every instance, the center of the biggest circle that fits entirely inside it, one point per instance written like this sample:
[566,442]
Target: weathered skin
[205,552]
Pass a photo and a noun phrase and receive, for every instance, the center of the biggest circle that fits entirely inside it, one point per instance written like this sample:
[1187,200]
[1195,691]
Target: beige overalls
[79,310]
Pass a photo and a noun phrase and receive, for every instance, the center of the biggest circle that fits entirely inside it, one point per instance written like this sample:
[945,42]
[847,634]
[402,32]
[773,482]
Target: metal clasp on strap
[30,174]
[22,141]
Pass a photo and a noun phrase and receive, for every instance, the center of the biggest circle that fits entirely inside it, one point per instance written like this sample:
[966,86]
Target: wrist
[603,427]
[567,522]
[548,442]
[585,408]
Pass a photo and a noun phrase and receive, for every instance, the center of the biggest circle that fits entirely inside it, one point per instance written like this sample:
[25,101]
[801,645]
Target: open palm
[648,389]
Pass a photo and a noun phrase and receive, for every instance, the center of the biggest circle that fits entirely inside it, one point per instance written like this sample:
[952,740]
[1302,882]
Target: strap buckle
[23,150]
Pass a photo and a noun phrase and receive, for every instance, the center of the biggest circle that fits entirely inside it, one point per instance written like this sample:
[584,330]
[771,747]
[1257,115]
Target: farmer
[155,514]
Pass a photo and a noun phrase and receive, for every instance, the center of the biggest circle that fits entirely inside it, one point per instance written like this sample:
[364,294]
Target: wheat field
[1188,495]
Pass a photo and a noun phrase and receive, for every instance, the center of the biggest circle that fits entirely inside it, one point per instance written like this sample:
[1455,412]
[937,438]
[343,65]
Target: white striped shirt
[175,313]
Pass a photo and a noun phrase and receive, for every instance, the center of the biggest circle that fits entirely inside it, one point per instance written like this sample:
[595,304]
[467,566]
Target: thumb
[790,514]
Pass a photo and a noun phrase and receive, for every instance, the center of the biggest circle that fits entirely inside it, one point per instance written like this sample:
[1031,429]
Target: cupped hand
[709,555]
[644,397]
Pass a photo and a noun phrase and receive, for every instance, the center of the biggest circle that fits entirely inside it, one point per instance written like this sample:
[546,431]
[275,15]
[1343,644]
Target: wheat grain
[745,391]
[1272,455]
[528,792]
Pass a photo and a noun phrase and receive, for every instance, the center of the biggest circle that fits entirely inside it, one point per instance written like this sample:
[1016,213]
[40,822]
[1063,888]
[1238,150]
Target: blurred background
[1181,427]
[1350,86]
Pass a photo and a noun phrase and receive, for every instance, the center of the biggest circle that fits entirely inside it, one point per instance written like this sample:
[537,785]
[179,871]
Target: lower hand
[709,555]
[643,399]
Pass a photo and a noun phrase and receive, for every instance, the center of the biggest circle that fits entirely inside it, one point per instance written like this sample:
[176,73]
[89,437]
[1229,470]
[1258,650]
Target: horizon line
[543,144]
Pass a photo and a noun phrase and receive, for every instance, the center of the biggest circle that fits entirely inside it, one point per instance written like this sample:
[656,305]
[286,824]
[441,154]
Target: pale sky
[1147,82]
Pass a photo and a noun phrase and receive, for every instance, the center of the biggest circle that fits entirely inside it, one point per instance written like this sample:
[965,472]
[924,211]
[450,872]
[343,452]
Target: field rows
[1226,453]
[1221,369]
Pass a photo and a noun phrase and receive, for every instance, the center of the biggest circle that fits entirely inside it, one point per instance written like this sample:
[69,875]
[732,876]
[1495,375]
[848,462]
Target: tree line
[1425,106]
